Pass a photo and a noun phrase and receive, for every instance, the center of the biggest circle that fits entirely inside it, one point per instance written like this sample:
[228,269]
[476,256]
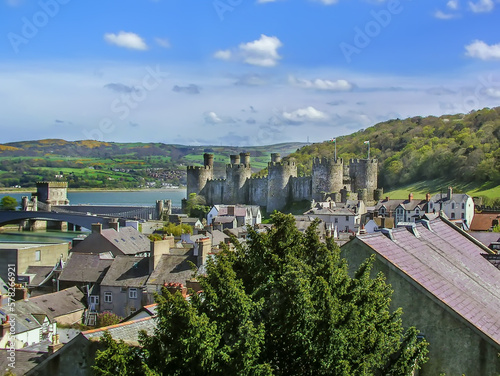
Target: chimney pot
[96,228]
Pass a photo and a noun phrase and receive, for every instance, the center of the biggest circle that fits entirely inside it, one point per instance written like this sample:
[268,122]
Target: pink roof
[449,265]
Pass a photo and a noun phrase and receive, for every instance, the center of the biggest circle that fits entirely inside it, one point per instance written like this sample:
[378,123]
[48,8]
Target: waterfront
[129,198]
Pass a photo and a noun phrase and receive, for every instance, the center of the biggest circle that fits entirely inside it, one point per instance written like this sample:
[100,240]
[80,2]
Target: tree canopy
[281,304]
[8,203]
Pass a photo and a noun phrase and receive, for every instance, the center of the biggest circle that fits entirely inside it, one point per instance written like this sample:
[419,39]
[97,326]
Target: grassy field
[438,185]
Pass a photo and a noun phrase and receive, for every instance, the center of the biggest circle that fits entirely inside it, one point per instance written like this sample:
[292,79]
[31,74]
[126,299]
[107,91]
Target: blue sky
[239,72]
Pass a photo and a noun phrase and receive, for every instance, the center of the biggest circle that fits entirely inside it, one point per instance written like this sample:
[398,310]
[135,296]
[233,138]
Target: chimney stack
[204,248]
[115,225]
[410,197]
[96,228]
[450,193]
[5,328]
[427,197]
[157,249]
[382,222]
[55,345]
[230,210]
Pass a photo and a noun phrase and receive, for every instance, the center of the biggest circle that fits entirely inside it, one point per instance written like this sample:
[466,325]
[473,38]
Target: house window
[463,205]
[463,215]
[452,205]
[38,255]
[132,293]
[431,205]
[94,299]
[382,210]
[347,218]
[336,220]
[108,297]
[452,215]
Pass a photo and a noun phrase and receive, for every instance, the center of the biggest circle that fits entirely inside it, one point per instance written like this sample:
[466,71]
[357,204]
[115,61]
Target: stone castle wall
[281,186]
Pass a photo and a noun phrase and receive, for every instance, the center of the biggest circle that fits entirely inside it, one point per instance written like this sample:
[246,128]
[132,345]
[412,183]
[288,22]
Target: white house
[245,214]
[454,205]
[342,219]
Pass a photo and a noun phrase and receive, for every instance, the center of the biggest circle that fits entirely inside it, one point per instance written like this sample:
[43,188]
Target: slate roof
[408,205]
[447,263]
[239,211]
[59,303]
[28,315]
[86,267]
[127,271]
[457,197]
[172,268]
[224,219]
[484,221]
[126,331]
[486,237]
[39,274]
[330,211]
[25,360]
[127,240]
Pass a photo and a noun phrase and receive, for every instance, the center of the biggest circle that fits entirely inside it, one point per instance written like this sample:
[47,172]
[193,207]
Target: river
[128,198]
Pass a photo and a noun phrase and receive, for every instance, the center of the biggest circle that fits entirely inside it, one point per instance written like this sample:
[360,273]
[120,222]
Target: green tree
[8,203]
[282,304]
[107,318]
[196,206]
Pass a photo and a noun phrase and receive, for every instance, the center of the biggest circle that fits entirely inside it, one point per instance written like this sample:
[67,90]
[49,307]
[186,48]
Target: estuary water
[125,198]
[129,198]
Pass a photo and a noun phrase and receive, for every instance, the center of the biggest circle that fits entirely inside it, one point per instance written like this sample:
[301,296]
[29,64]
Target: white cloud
[223,54]
[304,114]
[492,92]
[444,16]
[212,118]
[481,6]
[126,40]
[327,2]
[483,51]
[13,3]
[261,52]
[265,1]
[163,42]
[320,84]
[452,4]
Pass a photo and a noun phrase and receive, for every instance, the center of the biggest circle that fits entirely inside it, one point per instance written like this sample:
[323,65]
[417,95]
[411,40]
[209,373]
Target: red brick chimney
[5,327]
[230,210]
[427,197]
[410,197]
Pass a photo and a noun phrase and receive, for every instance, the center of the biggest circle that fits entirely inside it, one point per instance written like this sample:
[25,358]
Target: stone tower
[327,177]
[237,174]
[278,182]
[197,176]
[363,174]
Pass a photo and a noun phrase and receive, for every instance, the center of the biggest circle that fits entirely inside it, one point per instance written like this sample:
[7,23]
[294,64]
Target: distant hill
[94,164]
[461,148]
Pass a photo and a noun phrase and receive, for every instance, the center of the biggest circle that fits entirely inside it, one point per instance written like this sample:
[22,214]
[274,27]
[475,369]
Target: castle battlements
[281,185]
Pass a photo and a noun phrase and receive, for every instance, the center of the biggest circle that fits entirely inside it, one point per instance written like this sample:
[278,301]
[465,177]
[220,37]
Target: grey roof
[28,315]
[190,221]
[447,263]
[390,204]
[224,219]
[457,197]
[412,204]
[86,267]
[329,211]
[172,268]
[25,360]
[127,271]
[126,331]
[218,237]
[39,274]
[4,288]
[59,303]
[127,240]
[486,237]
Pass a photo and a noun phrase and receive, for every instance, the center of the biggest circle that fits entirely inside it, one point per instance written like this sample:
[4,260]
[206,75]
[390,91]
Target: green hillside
[94,164]
[461,150]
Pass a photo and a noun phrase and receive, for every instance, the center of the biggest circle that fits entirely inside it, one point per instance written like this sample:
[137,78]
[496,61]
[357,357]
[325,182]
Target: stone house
[485,221]
[408,210]
[341,219]
[245,214]
[122,289]
[447,288]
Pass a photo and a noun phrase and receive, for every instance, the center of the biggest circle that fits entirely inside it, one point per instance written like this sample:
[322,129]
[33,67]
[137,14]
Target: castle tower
[52,192]
[197,176]
[364,174]
[327,177]
[278,182]
[237,174]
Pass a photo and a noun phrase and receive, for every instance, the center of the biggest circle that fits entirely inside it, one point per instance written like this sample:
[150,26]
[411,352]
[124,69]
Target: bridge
[79,219]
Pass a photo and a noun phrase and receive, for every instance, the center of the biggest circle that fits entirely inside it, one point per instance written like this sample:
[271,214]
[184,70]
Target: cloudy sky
[239,72]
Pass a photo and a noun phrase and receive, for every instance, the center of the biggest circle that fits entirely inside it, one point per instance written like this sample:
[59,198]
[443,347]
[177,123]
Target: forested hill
[458,147]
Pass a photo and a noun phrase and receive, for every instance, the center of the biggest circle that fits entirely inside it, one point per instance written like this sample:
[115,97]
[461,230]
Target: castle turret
[363,174]
[197,176]
[278,182]
[327,177]
[237,174]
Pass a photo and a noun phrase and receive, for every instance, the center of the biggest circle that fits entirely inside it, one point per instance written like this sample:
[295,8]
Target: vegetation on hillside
[283,304]
[460,147]
[94,164]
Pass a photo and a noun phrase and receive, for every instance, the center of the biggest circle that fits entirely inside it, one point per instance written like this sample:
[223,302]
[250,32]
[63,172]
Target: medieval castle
[330,178]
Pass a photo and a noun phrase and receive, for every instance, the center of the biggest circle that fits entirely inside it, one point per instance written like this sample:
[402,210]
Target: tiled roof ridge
[104,328]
